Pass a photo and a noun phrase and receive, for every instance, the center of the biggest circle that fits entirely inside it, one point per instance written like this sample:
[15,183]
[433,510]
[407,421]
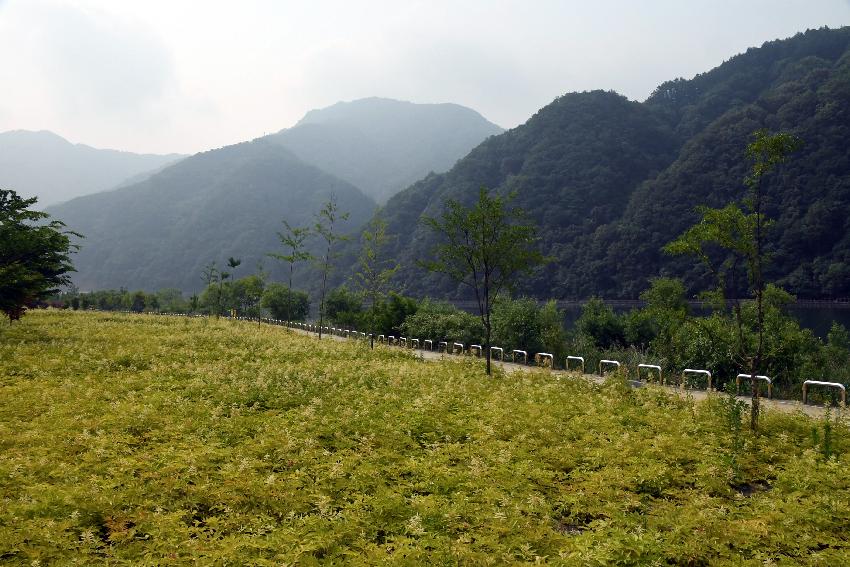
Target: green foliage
[524,324]
[184,441]
[443,322]
[599,323]
[344,307]
[34,255]
[374,269]
[387,316]
[327,226]
[485,248]
[277,297]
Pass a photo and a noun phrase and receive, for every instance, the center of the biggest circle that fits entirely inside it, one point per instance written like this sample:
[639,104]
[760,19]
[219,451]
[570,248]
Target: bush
[443,322]
[276,299]
[524,324]
[344,307]
[387,316]
[599,323]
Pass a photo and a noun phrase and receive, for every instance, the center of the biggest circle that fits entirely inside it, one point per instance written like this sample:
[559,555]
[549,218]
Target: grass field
[159,440]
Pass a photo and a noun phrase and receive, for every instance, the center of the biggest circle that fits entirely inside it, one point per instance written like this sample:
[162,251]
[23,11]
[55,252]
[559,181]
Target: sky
[162,76]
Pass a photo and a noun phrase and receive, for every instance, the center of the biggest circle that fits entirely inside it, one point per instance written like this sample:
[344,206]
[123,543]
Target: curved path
[787,406]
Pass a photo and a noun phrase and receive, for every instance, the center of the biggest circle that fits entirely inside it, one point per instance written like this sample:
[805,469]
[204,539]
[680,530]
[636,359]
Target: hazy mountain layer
[44,165]
[382,145]
[226,202]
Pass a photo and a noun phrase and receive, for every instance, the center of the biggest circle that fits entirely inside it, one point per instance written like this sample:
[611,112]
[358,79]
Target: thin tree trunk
[759,285]
[289,297]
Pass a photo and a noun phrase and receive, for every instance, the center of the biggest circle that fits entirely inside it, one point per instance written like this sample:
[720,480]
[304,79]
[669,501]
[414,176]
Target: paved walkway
[787,406]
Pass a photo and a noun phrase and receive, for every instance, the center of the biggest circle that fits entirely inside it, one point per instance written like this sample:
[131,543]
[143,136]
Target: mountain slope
[226,202]
[382,145]
[45,165]
[609,182]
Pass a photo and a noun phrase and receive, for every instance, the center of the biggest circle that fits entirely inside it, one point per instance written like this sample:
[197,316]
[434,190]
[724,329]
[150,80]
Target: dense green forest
[609,181]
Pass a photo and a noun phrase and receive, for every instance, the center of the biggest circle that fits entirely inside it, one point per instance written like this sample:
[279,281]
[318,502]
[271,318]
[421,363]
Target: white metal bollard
[604,362]
[428,344]
[443,345]
[651,367]
[576,359]
[498,349]
[835,385]
[458,347]
[758,377]
[524,354]
[541,357]
[477,348]
[705,373]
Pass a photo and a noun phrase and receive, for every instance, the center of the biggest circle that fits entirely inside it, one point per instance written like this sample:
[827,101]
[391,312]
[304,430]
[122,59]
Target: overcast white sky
[185,76]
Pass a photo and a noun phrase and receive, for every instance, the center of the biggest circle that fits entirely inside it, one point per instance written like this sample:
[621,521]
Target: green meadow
[146,440]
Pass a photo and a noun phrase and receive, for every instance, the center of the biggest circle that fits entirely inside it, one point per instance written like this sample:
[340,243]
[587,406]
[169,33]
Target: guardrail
[834,385]
[758,377]
[541,357]
[524,354]
[651,367]
[576,359]
[604,362]
[687,371]
[516,353]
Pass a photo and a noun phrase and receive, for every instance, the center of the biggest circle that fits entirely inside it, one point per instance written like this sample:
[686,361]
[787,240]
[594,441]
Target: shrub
[276,299]
[441,321]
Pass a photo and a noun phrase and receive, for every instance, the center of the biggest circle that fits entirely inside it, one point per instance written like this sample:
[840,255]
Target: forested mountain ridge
[50,167]
[609,181]
[383,145]
[226,202]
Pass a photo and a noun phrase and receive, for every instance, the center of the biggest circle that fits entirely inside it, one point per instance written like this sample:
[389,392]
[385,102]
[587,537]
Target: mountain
[382,145]
[47,166]
[226,202]
[609,181]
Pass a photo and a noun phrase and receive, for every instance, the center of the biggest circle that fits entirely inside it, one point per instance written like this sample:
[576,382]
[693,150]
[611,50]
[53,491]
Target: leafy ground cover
[159,440]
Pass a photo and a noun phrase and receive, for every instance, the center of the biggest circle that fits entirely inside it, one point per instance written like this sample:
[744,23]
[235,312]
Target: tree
[326,226]
[484,249]
[210,275]
[232,263]
[293,239]
[739,234]
[34,256]
[374,270]
[283,302]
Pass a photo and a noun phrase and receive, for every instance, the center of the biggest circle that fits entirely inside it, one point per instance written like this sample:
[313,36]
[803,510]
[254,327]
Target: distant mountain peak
[382,145]
[43,164]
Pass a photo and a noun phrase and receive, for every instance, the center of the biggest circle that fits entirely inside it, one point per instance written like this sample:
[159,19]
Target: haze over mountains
[50,167]
[608,181]
[231,201]
[381,145]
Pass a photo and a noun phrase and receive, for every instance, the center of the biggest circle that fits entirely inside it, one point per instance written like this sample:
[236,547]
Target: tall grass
[154,440]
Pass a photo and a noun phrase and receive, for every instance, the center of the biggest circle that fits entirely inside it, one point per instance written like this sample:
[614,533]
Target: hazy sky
[184,76]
